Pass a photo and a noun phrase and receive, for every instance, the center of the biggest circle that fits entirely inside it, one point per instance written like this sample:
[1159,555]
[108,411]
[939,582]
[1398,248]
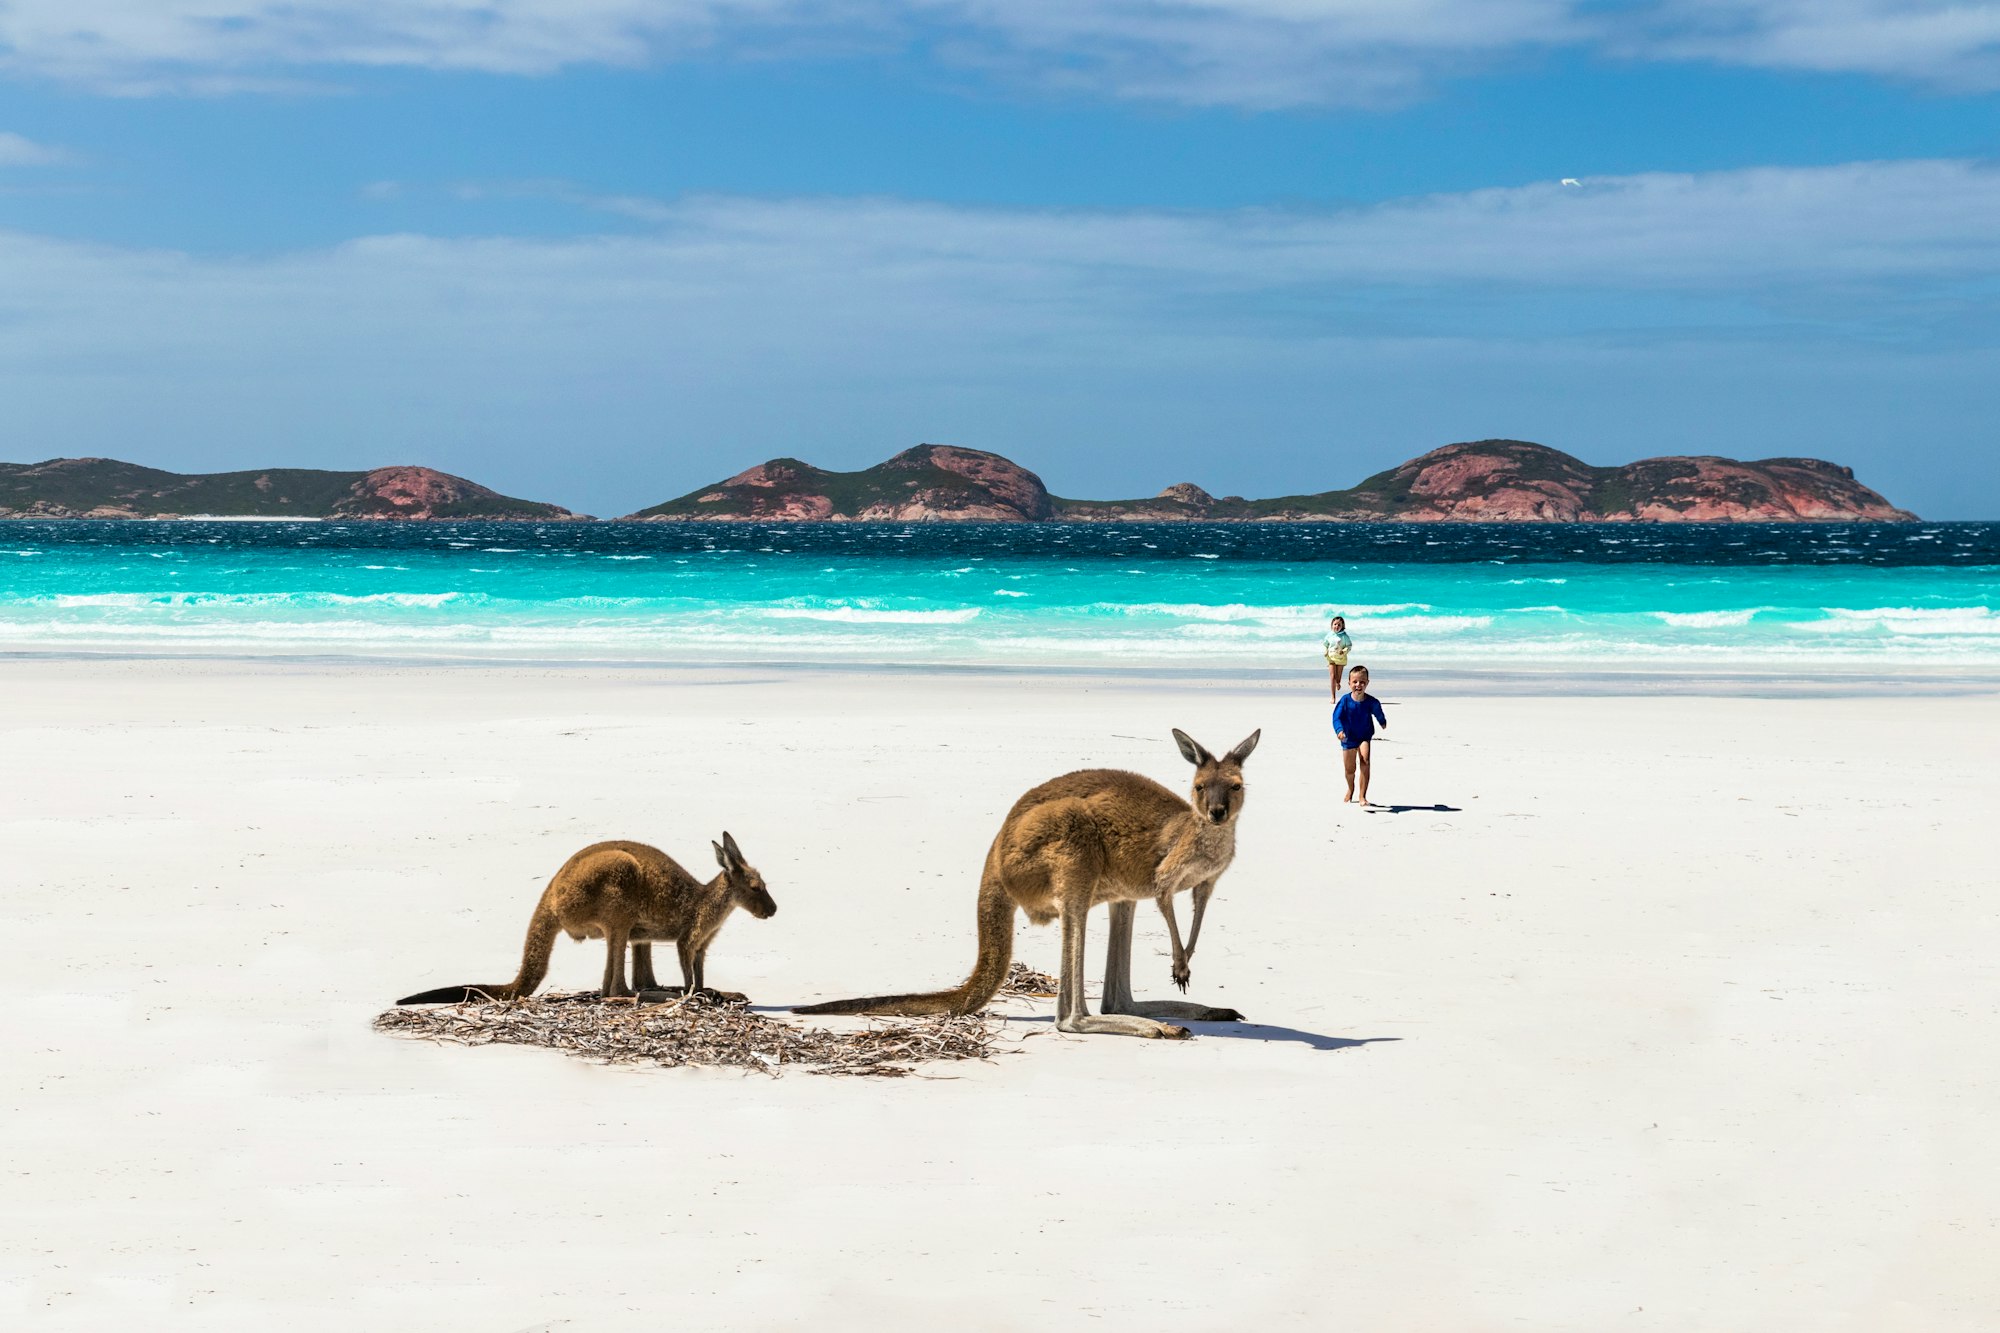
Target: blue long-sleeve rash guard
[1356,719]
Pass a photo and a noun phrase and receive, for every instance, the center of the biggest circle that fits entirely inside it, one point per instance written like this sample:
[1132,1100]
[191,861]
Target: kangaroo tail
[996,950]
[542,932]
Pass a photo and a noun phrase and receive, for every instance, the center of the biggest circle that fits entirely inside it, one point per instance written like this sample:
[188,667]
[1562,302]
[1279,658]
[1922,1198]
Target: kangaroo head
[746,886]
[1218,783]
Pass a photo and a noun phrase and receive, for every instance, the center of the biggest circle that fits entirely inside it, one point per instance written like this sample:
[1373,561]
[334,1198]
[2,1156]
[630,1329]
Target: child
[1355,718]
[1336,645]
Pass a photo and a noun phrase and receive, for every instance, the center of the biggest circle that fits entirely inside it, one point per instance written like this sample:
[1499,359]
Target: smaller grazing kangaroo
[628,893]
[1096,836]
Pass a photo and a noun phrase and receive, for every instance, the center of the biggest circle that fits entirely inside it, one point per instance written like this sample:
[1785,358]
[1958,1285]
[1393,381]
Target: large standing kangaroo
[627,892]
[1098,836]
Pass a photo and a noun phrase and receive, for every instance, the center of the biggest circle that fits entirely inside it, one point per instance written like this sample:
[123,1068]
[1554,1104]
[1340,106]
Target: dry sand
[1679,1014]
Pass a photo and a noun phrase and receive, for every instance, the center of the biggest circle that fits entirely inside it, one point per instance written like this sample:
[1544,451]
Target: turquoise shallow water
[1175,596]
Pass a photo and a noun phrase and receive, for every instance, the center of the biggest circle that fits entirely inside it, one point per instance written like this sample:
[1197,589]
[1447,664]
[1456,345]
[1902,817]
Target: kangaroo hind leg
[1118,981]
[642,968]
[1072,1010]
[615,937]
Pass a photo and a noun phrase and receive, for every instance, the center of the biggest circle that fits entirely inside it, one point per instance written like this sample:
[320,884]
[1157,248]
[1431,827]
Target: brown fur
[1098,836]
[628,893]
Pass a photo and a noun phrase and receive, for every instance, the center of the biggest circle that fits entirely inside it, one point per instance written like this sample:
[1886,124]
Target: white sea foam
[863,616]
[1201,611]
[1397,629]
[1313,613]
[1707,619]
[265,600]
[1914,620]
[1416,626]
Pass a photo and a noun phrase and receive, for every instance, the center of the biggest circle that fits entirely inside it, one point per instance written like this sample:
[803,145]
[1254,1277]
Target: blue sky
[604,251]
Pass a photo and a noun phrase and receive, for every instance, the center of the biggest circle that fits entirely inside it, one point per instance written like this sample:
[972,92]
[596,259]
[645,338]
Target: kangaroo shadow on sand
[1439,809]
[1244,1031]
[1247,1031]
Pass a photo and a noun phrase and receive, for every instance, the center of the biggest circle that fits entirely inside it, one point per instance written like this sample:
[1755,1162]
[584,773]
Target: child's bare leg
[1362,751]
[1334,672]
[1347,765]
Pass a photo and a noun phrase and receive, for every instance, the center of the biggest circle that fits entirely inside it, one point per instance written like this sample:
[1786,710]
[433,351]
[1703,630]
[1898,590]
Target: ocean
[1678,598]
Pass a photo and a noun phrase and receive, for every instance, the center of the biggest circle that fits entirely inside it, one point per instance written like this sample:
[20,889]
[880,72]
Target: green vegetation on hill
[887,485]
[84,486]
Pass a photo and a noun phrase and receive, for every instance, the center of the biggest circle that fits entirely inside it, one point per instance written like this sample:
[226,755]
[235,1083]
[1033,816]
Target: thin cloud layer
[1247,53]
[1899,244]
[1948,43]
[17,151]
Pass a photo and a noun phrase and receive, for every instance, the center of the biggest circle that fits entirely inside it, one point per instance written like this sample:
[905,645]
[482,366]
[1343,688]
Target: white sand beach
[1624,1012]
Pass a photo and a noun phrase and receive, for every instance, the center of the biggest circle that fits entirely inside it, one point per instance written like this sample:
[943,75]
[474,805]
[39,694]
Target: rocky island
[1483,481]
[107,488]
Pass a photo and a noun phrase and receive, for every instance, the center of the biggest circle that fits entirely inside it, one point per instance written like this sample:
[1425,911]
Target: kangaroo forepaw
[708,995]
[1182,976]
[1173,1032]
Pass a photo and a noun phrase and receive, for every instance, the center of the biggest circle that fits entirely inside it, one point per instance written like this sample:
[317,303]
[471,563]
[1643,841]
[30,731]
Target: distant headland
[107,488]
[1481,481]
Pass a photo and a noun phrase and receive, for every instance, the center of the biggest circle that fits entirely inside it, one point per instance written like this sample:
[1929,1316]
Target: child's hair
[1356,670]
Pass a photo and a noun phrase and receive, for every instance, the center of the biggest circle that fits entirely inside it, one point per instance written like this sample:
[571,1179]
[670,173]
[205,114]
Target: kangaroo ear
[721,857]
[735,852]
[1191,749]
[1244,747]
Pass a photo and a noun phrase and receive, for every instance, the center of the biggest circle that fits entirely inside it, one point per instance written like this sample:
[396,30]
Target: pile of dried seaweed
[696,1031]
[1023,981]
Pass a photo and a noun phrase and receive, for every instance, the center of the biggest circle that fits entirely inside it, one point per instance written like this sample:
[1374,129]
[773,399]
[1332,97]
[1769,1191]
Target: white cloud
[1945,42]
[1250,53]
[16,151]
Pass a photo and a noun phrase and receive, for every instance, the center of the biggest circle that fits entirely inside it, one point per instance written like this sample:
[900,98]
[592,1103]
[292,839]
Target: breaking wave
[1707,619]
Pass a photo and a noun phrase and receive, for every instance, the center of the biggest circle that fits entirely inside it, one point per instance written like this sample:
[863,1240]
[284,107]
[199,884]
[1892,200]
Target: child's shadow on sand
[1439,809]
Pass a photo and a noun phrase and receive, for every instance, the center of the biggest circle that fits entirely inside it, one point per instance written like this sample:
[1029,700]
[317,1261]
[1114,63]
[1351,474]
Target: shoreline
[1837,682]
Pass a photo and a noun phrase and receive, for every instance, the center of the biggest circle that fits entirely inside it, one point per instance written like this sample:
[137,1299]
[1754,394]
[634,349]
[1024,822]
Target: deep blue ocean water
[1679,597]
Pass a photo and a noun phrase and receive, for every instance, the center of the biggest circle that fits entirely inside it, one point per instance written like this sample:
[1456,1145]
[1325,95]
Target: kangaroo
[629,893]
[1096,836]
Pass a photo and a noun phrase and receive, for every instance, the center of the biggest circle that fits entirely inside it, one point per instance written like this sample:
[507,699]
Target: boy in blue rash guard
[1355,717]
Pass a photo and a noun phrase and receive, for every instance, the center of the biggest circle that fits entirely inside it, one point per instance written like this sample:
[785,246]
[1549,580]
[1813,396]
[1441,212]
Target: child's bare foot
[1345,799]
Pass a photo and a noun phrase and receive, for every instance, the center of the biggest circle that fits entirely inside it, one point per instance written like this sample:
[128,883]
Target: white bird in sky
[1571,180]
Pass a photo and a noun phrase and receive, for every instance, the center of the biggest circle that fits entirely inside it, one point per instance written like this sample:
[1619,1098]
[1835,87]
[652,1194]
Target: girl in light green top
[1336,646]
